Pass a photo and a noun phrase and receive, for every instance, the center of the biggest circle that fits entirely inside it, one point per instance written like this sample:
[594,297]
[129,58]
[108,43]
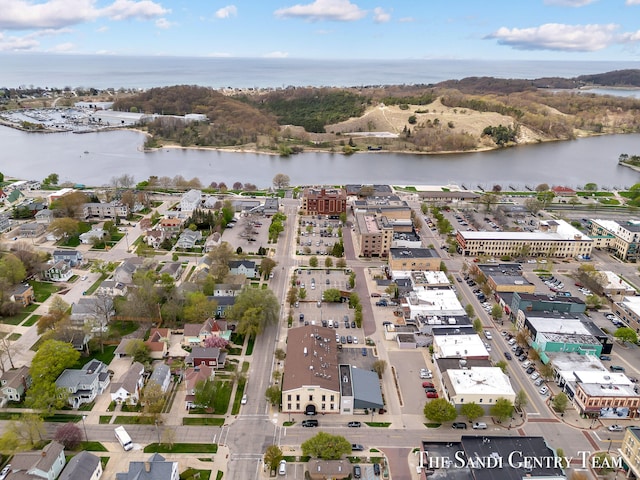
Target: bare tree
[281,181]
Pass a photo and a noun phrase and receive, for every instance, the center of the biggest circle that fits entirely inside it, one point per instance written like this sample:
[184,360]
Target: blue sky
[345,29]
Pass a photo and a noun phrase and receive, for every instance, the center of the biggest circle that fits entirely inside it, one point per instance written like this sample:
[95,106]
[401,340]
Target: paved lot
[247,234]
[407,365]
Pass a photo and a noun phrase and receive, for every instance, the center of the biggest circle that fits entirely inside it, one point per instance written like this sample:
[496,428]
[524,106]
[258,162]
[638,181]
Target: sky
[576,30]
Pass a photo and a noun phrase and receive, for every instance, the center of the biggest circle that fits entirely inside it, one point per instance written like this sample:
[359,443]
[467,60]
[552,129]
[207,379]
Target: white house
[92,235]
[127,388]
[45,464]
[190,200]
[243,267]
[188,239]
[162,376]
[84,385]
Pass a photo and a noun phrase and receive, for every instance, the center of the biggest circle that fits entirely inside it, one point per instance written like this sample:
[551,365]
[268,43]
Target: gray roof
[81,467]
[130,379]
[366,389]
[156,468]
[246,263]
[160,372]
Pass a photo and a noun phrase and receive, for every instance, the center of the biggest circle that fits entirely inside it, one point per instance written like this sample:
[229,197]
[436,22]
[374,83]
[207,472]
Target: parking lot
[316,280]
[407,365]
[249,233]
[317,235]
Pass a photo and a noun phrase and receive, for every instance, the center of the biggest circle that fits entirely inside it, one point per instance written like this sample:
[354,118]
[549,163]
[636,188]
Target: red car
[428,384]
[375,295]
[432,395]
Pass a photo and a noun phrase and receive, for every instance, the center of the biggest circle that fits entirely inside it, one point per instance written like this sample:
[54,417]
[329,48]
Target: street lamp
[157,431]
[609,447]
[86,438]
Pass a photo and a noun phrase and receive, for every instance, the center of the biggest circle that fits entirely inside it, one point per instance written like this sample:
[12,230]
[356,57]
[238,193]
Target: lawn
[250,343]
[32,320]
[92,447]
[208,421]
[223,395]
[14,336]
[136,420]
[16,319]
[235,410]
[193,474]
[97,283]
[105,357]
[378,424]
[43,290]
[105,419]
[182,448]
[123,328]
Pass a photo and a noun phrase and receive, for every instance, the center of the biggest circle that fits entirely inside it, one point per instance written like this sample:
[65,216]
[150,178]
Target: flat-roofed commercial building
[628,309]
[556,238]
[429,302]
[605,395]
[482,385]
[621,238]
[413,259]
[630,451]
[505,277]
[373,235]
[324,201]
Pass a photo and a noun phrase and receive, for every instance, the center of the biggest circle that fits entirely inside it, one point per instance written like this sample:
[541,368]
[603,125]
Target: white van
[480,426]
[282,468]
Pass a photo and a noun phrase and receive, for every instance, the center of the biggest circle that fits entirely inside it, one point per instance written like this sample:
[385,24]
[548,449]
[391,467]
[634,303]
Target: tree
[439,410]
[591,187]
[560,402]
[543,187]
[138,351]
[292,296]
[502,409]
[533,205]
[313,261]
[220,257]
[496,312]
[254,309]
[153,399]
[594,302]
[328,262]
[12,269]
[273,395]
[546,371]
[326,446]
[352,280]
[68,435]
[546,198]
[488,200]
[521,399]
[472,411]
[469,310]
[626,335]
[51,179]
[199,307]
[379,366]
[332,295]
[70,205]
[341,262]
[477,325]
[280,181]
[64,227]
[272,456]
[502,365]
[214,341]
[267,265]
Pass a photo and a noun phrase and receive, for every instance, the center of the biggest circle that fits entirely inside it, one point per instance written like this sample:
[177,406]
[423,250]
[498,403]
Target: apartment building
[620,238]
[630,451]
[324,201]
[373,235]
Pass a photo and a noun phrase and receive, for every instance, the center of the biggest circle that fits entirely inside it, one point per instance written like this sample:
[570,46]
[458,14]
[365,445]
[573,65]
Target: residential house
[173,269]
[145,223]
[95,234]
[105,210]
[190,201]
[124,272]
[14,383]
[197,333]
[127,388]
[158,342]
[243,267]
[31,229]
[223,304]
[193,376]
[227,289]
[209,356]
[334,469]
[212,241]
[58,272]
[23,294]
[188,239]
[72,257]
[121,349]
[92,310]
[171,226]
[52,197]
[37,465]
[155,468]
[154,238]
[3,195]
[112,288]
[5,222]
[161,375]
[85,384]
[44,216]
[15,197]
[83,466]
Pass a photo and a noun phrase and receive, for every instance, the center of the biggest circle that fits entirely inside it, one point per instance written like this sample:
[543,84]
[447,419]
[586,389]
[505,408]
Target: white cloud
[569,3]
[630,37]
[632,2]
[557,36]
[406,19]
[163,23]
[380,16]
[63,47]
[226,12]
[103,29]
[8,44]
[331,10]
[25,14]
[276,55]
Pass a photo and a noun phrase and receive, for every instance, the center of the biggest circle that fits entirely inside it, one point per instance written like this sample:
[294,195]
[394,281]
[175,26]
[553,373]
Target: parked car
[530,370]
[375,295]
[616,428]
[479,426]
[376,469]
[432,394]
[244,399]
[356,447]
[617,368]
[430,390]
[357,471]
[5,471]
[428,385]
[539,382]
[282,468]
[459,425]
[425,374]
[544,390]
[487,334]
[535,376]
[381,303]
[354,424]
[605,358]
[310,423]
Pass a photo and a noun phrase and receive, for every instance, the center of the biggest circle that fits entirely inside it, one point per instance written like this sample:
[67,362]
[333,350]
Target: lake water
[95,158]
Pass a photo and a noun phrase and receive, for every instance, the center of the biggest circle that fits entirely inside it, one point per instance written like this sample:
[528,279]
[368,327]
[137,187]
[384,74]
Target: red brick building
[324,201]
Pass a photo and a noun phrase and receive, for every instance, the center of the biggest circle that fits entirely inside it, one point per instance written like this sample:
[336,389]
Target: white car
[544,390]
[535,376]
[488,335]
[5,471]
[616,428]
[244,399]
[425,373]
[355,339]
[84,277]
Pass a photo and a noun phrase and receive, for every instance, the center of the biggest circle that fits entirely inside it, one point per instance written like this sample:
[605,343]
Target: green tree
[439,410]
[138,351]
[546,371]
[352,279]
[472,411]
[51,179]
[560,402]
[280,354]
[477,324]
[220,257]
[521,399]
[292,296]
[153,399]
[332,295]
[328,262]
[273,394]
[326,446]
[502,409]
[199,307]
[469,310]
[254,309]
[272,456]
[626,335]
[313,261]
[546,198]
[12,269]
[593,302]
[341,262]
[591,187]
[496,312]
[64,227]
[502,365]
